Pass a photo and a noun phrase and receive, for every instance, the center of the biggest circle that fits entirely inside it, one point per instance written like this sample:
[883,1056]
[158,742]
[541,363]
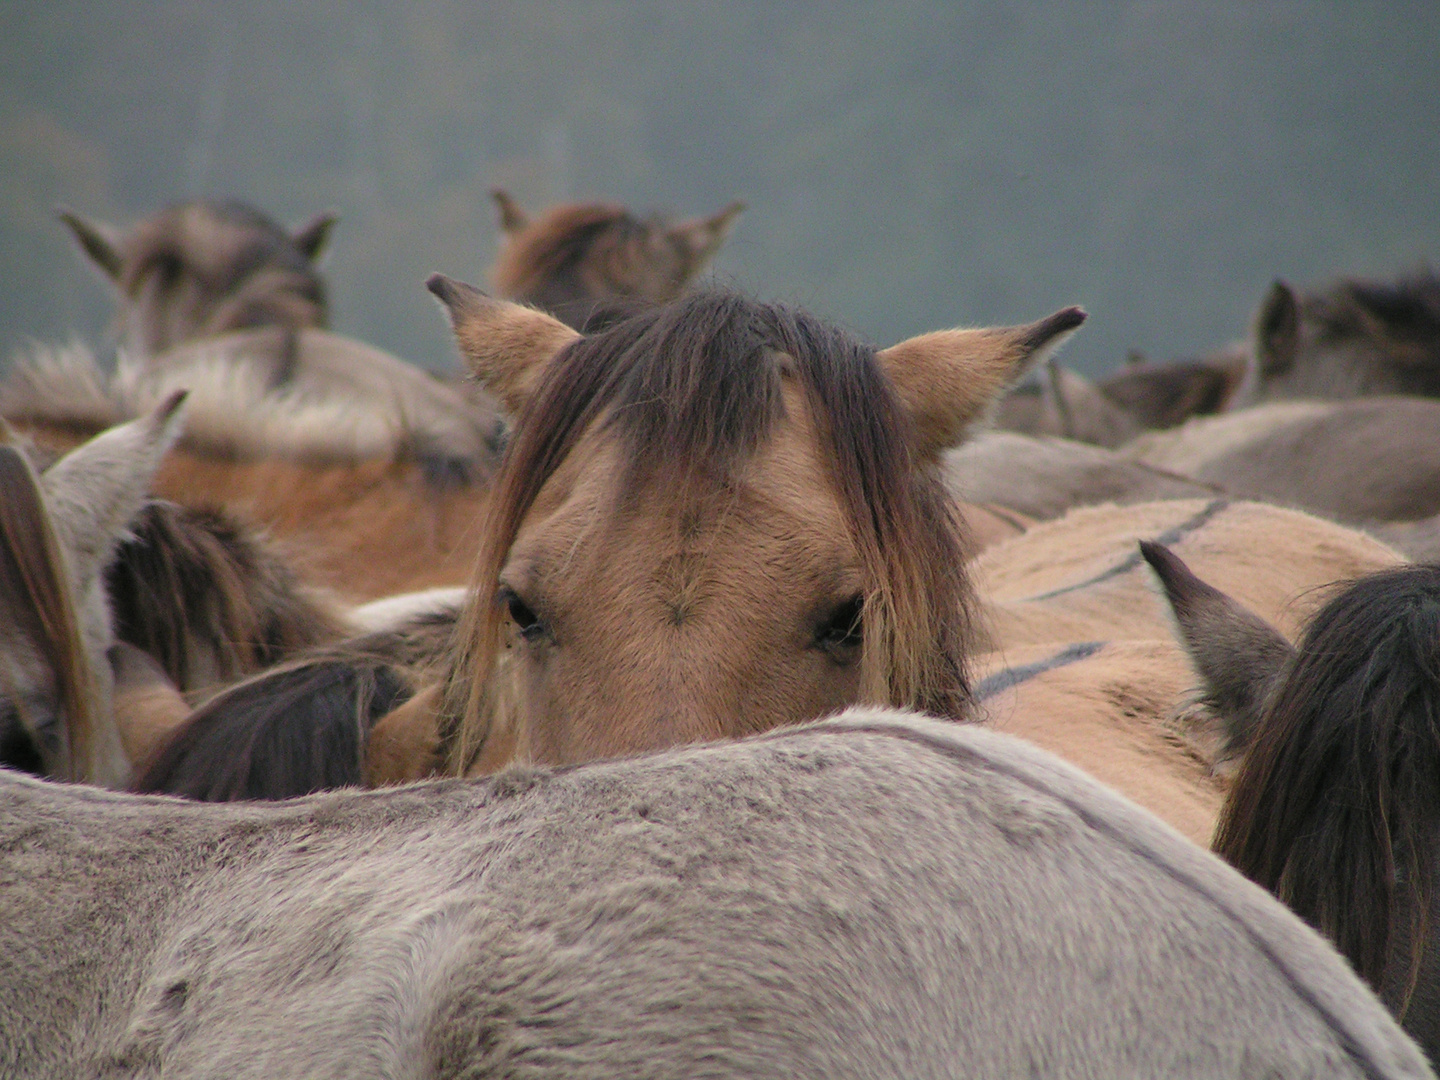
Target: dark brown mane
[1337,804]
[208,599]
[694,388]
[1399,319]
[35,601]
[554,244]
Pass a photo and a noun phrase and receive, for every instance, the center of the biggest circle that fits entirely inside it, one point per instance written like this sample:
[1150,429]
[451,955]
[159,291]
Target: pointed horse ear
[505,345]
[95,491]
[512,217]
[100,242]
[1277,329]
[1239,657]
[702,237]
[312,237]
[948,379]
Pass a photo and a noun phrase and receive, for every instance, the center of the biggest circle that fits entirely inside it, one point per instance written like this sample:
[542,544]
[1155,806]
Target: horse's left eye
[522,615]
[842,631]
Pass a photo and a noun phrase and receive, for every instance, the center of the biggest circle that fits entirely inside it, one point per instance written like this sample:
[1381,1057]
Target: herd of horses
[1066,635]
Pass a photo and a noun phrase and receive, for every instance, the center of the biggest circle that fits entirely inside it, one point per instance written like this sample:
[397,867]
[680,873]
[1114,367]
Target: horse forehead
[780,497]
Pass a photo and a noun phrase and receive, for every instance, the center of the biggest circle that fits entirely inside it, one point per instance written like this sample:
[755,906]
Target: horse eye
[843,630]
[521,614]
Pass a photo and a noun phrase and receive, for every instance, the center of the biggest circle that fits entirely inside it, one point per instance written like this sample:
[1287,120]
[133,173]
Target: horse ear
[99,241]
[1239,657]
[1277,329]
[312,237]
[702,237]
[512,217]
[505,345]
[94,491]
[948,379]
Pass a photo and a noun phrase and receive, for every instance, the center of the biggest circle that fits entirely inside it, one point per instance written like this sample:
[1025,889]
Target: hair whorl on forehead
[694,388]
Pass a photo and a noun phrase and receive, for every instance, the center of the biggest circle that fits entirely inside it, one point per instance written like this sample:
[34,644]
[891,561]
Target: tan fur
[1118,715]
[505,345]
[948,379]
[148,708]
[404,746]
[1270,559]
[776,539]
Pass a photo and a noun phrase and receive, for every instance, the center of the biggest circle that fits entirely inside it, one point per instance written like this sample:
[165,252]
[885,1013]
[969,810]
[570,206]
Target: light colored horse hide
[1371,459]
[1084,662]
[345,402]
[1081,577]
[1043,477]
[877,895]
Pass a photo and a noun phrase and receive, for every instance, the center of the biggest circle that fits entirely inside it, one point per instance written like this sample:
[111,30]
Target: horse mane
[247,249]
[1400,319]
[1335,807]
[693,387]
[37,600]
[210,599]
[232,410]
[554,243]
[300,727]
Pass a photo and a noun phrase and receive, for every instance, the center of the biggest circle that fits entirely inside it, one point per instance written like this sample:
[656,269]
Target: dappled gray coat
[876,895]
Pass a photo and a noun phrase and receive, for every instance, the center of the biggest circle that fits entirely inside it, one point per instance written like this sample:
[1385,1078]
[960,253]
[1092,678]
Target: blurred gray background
[908,165]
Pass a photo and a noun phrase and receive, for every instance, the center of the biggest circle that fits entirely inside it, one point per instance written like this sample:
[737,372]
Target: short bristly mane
[694,388]
[554,243]
[1337,804]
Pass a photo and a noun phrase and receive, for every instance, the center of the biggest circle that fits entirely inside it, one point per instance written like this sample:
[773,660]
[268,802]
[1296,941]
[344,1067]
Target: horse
[1043,477]
[200,269]
[1370,459]
[798,446]
[1082,660]
[577,259]
[369,505]
[1334,806]
[877,895]
[217,295]
[1355,339]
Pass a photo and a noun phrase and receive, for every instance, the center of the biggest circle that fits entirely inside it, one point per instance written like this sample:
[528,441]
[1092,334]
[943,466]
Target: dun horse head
[58,532]
[205,268]
[579,257]
[715,517]
[1360,338]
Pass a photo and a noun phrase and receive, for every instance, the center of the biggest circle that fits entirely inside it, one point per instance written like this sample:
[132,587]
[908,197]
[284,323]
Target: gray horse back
[876,895]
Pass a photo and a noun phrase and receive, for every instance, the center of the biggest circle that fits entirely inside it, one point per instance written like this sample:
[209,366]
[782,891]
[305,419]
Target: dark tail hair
[1336,806]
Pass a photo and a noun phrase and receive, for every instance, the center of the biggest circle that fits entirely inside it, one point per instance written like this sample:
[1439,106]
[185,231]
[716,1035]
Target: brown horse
[577,258]
[774,485]
[1336,805]
[367,505]
[1356,339]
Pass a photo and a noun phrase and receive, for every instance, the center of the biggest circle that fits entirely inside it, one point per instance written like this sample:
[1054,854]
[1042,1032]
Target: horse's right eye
[521,614]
